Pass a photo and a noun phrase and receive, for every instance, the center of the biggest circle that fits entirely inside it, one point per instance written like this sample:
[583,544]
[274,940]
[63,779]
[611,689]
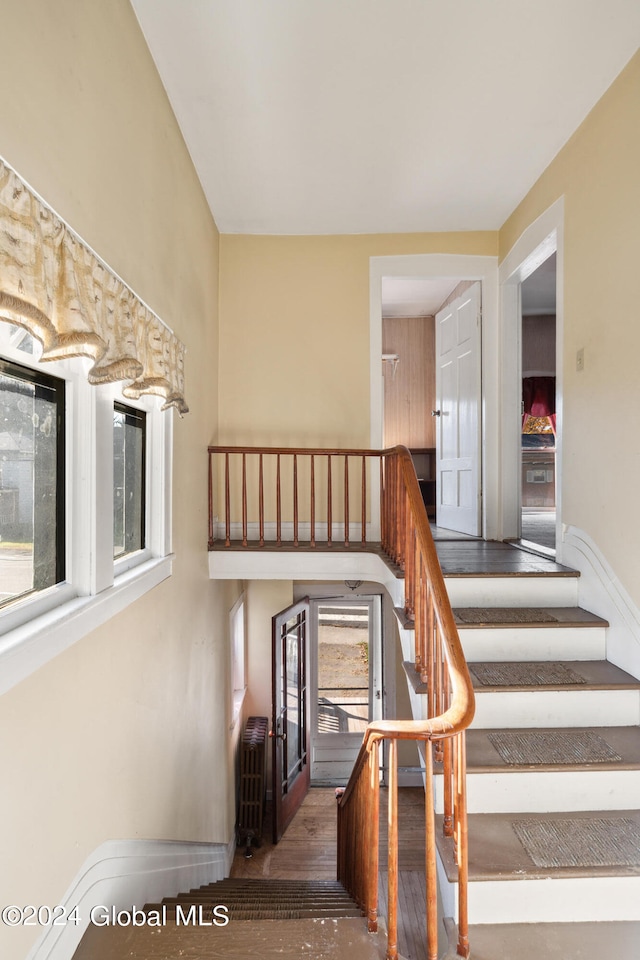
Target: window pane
[31,481]
[128,480]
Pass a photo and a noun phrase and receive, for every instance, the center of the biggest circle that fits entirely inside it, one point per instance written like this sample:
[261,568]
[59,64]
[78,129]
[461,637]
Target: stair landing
[243,940]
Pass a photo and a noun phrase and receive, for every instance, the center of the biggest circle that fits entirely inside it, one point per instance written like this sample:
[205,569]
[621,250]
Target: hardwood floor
[473,557]
[308,851]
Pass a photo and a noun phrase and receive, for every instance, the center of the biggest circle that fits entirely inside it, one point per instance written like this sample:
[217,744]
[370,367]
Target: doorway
[346,681]
[450,268]
[539,418]
[431,343]
[540,241]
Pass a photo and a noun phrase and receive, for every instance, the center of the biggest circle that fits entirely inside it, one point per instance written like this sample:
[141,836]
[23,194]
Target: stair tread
[498,618]
[556,941]
[486,754]
[589,674]
[497,853]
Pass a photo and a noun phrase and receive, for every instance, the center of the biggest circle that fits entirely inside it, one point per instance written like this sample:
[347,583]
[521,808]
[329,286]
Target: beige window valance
[57,288]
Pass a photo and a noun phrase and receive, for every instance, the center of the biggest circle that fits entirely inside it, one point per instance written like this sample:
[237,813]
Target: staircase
[553,775]
[239,918]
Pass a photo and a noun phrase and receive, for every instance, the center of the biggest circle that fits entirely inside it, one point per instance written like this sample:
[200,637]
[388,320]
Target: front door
[290,730]
[458,443]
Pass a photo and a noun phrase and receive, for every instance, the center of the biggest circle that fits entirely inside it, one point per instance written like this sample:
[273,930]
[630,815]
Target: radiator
[252,786]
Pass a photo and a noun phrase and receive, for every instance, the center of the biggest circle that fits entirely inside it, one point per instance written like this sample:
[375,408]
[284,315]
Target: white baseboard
[600,591]
[127,873]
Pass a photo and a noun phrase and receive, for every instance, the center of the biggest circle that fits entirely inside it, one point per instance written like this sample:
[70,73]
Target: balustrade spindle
[278,504]
[211,527]
[346,501]
[244,499]
[445,755]
[312,533]
[295,499]
[227,502]
[372,839]
[463,849]
[363,495]
[329,503]
[430,648]
[392,827]
[430,858]
[261,499]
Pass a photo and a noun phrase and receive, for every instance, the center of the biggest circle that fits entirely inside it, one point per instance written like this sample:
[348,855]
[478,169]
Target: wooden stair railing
[439,660]
[331,487]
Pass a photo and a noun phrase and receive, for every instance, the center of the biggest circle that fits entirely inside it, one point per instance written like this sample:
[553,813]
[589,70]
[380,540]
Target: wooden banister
[406,539]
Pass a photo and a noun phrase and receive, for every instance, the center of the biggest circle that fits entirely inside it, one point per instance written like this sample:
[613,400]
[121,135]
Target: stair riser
[560,901]
[562,708]
[547,791]
[533,643]
[512,591]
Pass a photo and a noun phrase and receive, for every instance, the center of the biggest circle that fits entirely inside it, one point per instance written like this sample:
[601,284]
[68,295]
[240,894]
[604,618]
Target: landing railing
[406,539]
[290,495]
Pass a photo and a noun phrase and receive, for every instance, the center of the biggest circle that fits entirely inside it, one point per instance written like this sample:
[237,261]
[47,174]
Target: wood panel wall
[410,394]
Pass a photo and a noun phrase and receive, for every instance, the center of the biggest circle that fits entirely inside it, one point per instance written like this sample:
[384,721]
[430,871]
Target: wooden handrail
[406,538]
[440,661]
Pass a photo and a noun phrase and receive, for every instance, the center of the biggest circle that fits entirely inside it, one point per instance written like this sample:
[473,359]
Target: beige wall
[294,337]
[120,737]
[597,172]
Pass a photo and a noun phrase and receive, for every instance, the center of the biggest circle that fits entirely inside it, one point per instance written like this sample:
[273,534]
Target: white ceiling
[414,296]
[353,116]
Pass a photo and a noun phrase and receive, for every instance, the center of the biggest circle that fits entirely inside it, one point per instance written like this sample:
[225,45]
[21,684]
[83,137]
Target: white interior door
[458,392]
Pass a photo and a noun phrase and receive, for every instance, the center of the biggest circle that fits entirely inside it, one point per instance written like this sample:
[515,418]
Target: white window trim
[35,628]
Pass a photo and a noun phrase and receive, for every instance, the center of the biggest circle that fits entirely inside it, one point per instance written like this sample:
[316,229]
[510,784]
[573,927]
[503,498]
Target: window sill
[27,647]
[238,700]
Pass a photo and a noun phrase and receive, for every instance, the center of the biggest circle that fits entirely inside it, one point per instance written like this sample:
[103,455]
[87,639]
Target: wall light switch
[580,360]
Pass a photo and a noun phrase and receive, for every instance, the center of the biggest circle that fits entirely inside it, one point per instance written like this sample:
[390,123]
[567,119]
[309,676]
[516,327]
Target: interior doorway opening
[431,353]
[539,418]
[346,681]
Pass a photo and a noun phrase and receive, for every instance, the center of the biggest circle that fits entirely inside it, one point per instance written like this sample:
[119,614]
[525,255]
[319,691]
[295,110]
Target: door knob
[436,413]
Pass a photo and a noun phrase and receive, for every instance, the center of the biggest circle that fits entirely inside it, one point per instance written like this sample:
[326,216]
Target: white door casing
[458,393]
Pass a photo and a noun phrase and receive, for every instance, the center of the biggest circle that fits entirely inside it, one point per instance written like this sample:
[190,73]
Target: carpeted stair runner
[265,900]
[319,920]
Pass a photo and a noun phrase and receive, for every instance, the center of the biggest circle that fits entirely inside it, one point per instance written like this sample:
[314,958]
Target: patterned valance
[57,288]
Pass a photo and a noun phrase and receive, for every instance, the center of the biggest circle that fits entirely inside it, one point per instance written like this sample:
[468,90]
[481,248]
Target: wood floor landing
[240,940]
[468,558]
[459,555]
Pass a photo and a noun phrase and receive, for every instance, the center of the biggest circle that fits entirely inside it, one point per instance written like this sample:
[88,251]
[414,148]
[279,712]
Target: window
[129,448]
[32,463]
[238,678]
[85,502]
